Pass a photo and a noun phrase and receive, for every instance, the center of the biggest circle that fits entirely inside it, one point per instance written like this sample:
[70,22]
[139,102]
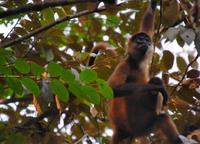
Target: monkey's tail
[101,46]
[147,24]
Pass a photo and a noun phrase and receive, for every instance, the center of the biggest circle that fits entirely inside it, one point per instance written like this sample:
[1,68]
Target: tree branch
[184,75]
[194,13]
[39,6]
[11,29]
[48,26]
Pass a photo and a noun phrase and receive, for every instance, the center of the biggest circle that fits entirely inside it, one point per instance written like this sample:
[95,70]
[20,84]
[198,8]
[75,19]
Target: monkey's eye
[140,38]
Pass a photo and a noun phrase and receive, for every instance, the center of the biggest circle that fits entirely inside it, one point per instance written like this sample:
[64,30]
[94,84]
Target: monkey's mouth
[143,48]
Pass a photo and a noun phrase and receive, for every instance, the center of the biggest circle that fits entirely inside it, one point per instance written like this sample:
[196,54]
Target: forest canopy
[48,94]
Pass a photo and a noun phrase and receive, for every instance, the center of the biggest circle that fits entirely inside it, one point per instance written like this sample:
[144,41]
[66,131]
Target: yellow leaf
[37,105]
[58,104]
[171,12]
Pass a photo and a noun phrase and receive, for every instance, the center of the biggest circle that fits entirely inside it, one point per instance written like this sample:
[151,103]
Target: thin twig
[39,6]
[48,26]
[184,75]
[27,53]
[11,30]
[179,21]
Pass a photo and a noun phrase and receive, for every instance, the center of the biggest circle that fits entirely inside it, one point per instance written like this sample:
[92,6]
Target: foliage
[47,73]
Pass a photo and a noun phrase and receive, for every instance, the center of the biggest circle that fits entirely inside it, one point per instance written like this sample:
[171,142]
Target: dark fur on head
[138,46]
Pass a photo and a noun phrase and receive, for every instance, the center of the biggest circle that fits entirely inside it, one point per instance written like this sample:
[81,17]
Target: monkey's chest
[131,79]
[136,77]
[130,114]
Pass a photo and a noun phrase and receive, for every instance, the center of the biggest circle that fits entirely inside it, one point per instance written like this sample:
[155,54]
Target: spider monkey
[135,115]
[155,84]
[135,110]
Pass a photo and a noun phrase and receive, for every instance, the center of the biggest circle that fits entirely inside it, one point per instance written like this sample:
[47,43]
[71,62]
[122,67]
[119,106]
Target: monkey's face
[139,47]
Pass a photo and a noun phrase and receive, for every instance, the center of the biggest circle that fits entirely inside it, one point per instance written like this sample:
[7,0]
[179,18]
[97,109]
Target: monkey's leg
[167,126]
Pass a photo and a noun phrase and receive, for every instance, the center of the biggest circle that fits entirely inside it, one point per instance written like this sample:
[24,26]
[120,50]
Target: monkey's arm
[131,89]
[147,24]
[119,76]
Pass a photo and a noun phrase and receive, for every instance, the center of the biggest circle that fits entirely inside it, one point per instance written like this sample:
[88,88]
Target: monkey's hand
[154,86]
[160,88]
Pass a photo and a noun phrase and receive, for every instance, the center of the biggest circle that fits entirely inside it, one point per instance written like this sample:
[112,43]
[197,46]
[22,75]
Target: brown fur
[100,46]
[136,116]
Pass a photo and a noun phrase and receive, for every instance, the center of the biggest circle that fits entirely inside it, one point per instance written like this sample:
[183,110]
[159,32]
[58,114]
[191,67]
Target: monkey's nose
[143,48]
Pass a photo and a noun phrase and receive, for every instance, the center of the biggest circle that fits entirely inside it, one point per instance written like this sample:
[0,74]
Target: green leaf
[3,60]
[7,92]
[194,64]
[84,56]
[1,89]
[60,11]
[31,85]
[180,41]
[105,89]
[167,60]
[16,139]
[54,69]
[181,64]
[112,21]
[75,89]
[91,94]
[60,90]
[156,58]
[67,75]
[88,76]
[15,85]
[48,16]
[3,56]
[5,70]
[36,69]
[22,66]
